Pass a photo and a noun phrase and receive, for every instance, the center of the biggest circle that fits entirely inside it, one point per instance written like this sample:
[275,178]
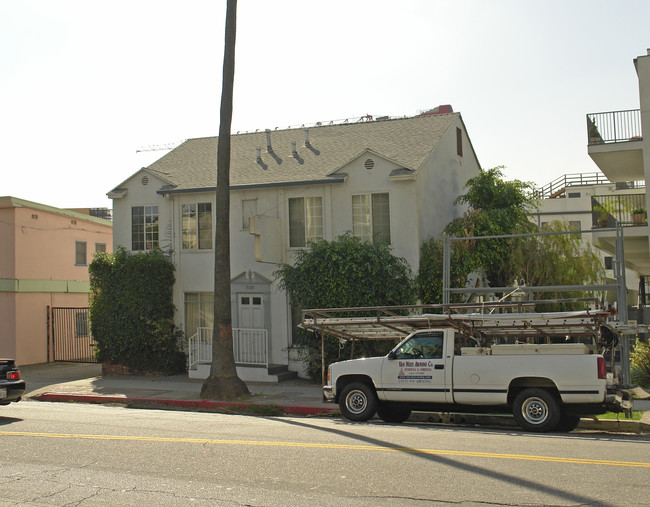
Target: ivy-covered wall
[132,313]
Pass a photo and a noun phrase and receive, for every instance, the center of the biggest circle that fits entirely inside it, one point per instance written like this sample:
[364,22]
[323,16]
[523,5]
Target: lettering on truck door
[416,370]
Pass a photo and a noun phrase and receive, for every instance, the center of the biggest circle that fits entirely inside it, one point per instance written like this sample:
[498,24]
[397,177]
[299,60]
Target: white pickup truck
[546,386]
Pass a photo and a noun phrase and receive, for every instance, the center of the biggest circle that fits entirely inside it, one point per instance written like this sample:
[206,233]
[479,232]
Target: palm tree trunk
[223,382]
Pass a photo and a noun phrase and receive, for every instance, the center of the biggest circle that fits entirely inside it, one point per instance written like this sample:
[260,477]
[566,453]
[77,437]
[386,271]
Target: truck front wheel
[536,410]
[358,401]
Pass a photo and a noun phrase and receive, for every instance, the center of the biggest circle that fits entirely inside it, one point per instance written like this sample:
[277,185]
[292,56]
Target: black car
[11,385]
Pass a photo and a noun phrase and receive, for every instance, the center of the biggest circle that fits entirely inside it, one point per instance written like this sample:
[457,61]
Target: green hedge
[343,273]
[132,311]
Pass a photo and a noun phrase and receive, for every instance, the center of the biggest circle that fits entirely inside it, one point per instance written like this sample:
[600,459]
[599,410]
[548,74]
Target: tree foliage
[346,272]
[640,363]
[496,208]
[560,259]
[132,311]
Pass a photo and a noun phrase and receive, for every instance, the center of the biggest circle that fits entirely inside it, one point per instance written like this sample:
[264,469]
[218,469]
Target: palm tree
[223,382]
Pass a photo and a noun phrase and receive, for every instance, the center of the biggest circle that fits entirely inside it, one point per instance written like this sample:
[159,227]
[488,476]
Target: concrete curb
[505,420]
[453,419]
[185,404]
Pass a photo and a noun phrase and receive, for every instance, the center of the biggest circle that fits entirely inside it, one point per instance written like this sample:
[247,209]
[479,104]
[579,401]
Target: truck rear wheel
[536,410]
[393,414]
[358,401]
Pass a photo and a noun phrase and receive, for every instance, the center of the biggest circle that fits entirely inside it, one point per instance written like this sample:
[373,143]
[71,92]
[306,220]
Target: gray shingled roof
[407,142]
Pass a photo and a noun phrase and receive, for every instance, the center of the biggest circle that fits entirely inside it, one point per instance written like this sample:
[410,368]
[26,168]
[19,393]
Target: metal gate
[71,338]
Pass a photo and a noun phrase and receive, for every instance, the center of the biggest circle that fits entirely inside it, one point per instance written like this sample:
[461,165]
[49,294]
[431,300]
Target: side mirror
[392,355]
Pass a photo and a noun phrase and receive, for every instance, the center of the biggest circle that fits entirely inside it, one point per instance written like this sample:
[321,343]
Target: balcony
[614,144]
[558,187]
[628,210]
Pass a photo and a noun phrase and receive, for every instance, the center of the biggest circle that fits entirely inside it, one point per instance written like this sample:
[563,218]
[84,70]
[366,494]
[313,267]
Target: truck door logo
[415,371]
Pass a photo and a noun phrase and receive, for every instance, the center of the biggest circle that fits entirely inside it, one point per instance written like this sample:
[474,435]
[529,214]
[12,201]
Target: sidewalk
[84,383]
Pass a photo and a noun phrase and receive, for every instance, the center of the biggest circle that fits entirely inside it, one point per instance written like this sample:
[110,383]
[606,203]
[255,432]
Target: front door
[415,372]
[251,311]
[250,345]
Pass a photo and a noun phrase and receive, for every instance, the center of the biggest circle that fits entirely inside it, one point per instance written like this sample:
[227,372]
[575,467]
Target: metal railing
[556,187]
[614,127]
[250,347]
[559,186]
[626,209]
[200,347]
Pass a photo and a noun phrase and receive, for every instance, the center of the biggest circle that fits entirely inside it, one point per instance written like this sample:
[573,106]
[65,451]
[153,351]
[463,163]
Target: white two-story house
[392,180]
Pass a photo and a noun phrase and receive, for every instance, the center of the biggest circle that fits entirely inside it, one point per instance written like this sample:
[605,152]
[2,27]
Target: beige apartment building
[44,257]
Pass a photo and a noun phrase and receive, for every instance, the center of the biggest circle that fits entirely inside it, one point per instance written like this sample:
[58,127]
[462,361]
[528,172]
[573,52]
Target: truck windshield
[426,345]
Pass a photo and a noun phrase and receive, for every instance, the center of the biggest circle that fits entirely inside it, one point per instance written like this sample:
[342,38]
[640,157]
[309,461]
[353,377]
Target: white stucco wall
[420,206]
[643,73]
[441,180]
[139,194]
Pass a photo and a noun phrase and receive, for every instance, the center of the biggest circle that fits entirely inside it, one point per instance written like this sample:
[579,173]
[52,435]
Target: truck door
[415,371]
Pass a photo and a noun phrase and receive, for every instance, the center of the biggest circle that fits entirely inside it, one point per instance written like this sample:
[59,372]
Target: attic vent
[145,180]
[369,164]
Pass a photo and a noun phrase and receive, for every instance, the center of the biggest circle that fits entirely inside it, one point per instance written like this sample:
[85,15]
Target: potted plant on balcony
[639,216]
[593,133]
[602,212]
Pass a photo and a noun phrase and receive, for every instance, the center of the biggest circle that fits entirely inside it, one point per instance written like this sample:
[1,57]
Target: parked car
[12,387]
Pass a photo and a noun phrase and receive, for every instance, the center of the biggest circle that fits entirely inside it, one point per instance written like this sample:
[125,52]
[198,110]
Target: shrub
[132,312]
[640,363]
[343,273]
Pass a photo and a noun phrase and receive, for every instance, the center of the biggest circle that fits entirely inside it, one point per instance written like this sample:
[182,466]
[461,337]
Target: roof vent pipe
[269,148]
[294,151]
[306,137]
[259,153]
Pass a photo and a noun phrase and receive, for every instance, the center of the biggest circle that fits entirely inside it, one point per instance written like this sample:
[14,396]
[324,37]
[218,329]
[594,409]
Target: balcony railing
[626,209]
[556,187]
[614,127]
[250,347]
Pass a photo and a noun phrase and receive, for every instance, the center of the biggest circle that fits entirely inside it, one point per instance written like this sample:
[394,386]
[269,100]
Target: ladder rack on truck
[475,321]
[396,322]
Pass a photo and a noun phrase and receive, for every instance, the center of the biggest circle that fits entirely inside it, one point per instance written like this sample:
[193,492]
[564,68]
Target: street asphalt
[84,383]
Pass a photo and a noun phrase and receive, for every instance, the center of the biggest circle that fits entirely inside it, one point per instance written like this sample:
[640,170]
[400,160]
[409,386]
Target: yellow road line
[307,445]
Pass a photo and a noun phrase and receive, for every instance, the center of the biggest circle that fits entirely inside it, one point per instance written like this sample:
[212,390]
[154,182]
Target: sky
[85,86]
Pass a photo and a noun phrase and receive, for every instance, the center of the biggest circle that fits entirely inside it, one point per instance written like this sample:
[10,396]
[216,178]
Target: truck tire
[567,423]
[358,401]
[393,414]
[536,410]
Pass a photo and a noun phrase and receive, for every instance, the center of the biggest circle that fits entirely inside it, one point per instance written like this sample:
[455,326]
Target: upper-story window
[197,225]
[371,217]
[305,220]
[80,253]
[144,227]
[459,142]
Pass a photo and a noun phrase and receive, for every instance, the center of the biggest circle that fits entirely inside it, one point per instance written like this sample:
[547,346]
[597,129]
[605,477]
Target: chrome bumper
[328,395]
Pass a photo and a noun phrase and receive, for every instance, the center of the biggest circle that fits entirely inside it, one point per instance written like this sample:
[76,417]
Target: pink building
[44,257]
